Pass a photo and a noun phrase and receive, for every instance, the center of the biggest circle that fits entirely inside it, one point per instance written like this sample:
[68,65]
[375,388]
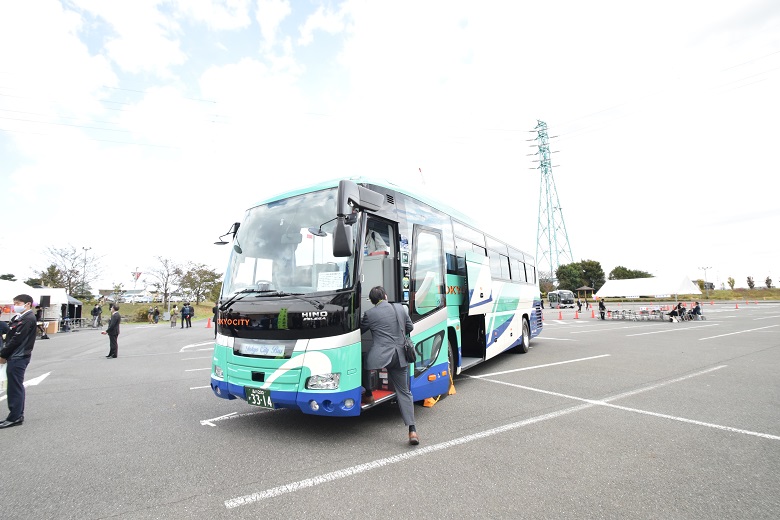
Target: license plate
[258,397]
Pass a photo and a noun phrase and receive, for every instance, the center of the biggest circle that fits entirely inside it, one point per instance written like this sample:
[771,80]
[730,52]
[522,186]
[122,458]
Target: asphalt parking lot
[601,419]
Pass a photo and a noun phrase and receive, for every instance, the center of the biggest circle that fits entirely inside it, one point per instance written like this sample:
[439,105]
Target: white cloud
[323,19]
[222,15]
[270,13]
[143,39]
[666,116]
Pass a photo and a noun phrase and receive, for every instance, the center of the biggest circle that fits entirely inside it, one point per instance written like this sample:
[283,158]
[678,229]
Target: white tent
[8,290]
[656,287]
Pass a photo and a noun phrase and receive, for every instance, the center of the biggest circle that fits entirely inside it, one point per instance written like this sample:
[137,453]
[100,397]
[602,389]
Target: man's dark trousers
[15,370]
[113,344]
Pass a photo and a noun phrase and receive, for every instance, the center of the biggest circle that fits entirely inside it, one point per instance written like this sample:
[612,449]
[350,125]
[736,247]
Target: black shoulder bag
[409,352]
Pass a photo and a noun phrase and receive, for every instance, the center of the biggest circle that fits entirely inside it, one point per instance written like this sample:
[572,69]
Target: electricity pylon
[552,241]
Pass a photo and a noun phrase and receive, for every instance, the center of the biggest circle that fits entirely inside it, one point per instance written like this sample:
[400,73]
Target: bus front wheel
[451,360]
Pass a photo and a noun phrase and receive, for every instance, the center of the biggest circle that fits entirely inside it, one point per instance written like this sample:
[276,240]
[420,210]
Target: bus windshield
[274,251]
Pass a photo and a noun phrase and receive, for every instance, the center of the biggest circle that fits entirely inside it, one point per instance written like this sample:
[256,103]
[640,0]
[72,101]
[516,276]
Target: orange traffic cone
[576,315]
[592,313]
[208,324]
[560,315]
[712,303]
[736,305]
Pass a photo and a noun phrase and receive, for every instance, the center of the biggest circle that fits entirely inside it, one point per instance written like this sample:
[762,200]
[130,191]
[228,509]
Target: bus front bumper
[334,404]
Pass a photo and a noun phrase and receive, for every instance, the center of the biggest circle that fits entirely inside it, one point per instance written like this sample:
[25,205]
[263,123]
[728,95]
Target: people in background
[16,354]
[174,315]
[97,313]
[696,311]
[113,332]
[602,309]
[215,310]
[156,315]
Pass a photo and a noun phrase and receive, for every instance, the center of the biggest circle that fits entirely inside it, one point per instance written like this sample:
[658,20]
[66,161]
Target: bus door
[480,302]
[380,259]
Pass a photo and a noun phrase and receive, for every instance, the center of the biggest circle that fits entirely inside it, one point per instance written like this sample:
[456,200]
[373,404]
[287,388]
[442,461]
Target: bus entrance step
[380,396]
[467,362]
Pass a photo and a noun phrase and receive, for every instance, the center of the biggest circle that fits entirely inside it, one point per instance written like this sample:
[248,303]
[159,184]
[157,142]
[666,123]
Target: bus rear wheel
[522,348]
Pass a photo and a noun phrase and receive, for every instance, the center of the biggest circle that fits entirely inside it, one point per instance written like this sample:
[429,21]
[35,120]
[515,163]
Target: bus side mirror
[342,238]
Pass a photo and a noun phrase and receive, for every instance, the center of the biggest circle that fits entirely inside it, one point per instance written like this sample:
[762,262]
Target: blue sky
[166,119]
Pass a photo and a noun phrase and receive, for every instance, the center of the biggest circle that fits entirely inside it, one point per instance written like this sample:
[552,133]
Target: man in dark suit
[113,332]
[383,320]
[16,355]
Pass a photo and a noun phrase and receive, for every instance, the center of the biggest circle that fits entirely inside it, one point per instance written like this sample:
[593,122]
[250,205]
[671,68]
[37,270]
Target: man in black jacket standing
[113,332]
[16,355]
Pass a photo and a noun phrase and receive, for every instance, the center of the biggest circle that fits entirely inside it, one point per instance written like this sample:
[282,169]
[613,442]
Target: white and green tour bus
[301,266]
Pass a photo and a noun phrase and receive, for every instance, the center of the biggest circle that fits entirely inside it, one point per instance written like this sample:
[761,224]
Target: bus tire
[451,360]
[522,348]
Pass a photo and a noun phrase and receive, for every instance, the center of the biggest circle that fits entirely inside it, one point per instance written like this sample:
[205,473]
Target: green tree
[199,280]
[34,282]
[592,274]
[731,283]
[750,282]
[9,277]
[577,274]
[213,294]
[768,282]
[569,276]
[623,273]
[52,277]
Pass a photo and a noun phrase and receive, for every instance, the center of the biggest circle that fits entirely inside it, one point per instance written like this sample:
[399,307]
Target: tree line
[76,271]
[589,273]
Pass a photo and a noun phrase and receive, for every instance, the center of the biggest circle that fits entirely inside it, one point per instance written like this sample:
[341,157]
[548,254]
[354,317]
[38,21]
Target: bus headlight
[323,381]
[218,371]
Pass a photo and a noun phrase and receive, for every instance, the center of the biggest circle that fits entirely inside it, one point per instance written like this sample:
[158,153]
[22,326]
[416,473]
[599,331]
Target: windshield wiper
[240,295]
[300,296]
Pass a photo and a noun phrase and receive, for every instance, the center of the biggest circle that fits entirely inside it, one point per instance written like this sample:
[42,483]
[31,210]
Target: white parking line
[739,332]
[611,328]
[376,464]
[537,366]
[192,358]
[197,369]
[671,330]
[199,387]
[418,452]
[185,347]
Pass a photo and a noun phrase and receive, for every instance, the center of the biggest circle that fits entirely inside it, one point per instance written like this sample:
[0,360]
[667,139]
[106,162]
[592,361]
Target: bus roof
[333,183]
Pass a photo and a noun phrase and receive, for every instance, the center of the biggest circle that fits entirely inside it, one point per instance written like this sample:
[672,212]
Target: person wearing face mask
[16,355]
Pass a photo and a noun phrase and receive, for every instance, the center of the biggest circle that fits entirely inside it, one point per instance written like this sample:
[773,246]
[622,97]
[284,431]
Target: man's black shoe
[8,424]
[109,356]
